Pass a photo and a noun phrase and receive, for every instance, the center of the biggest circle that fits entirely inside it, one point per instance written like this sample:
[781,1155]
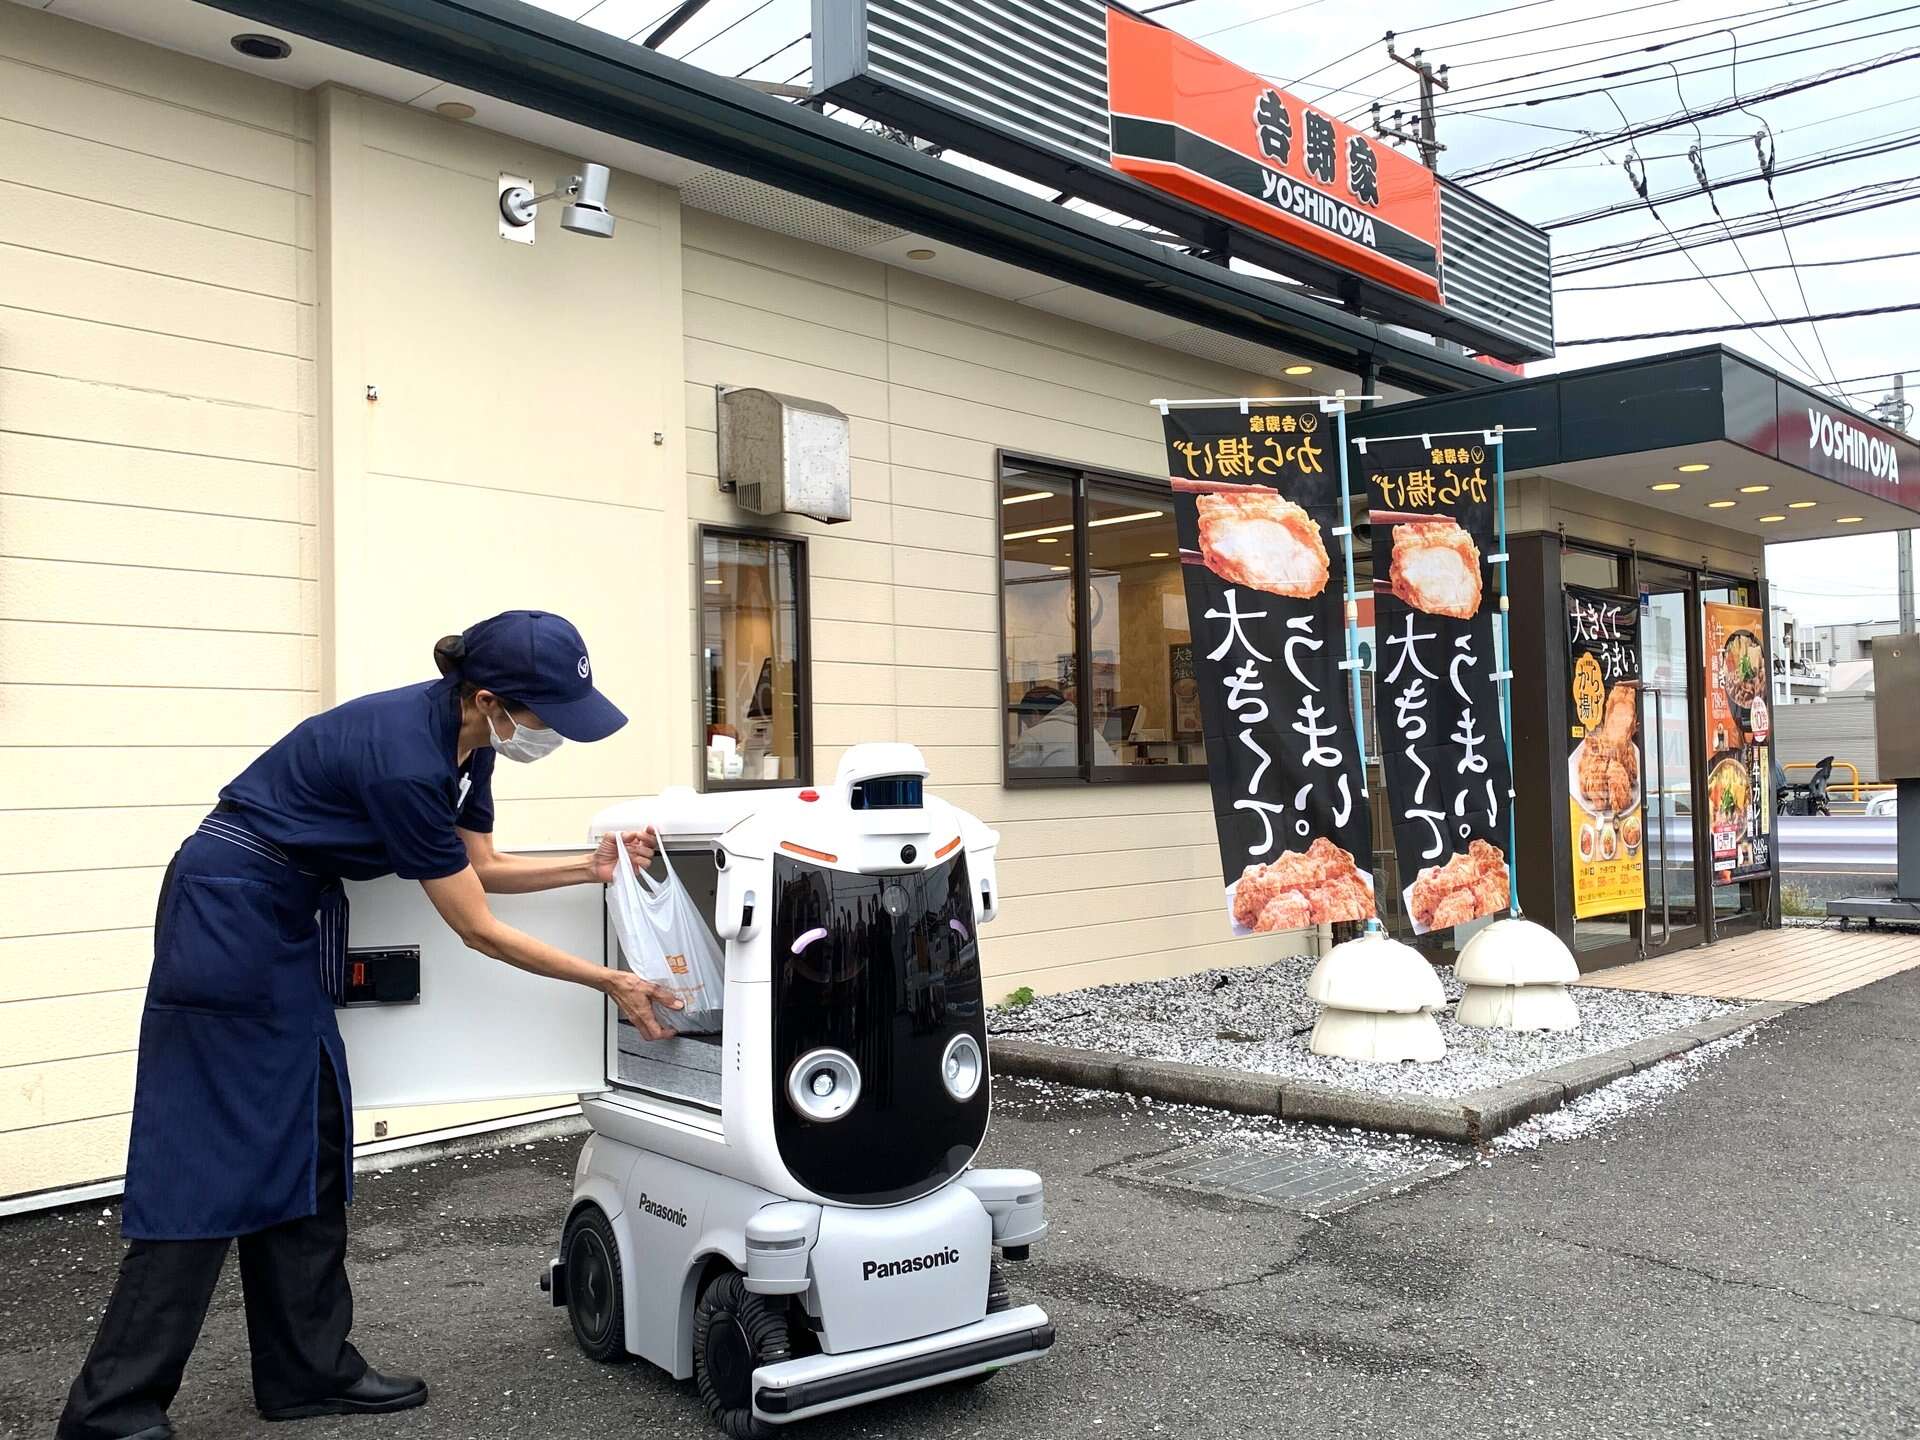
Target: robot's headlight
[823,1084]
[960,1067]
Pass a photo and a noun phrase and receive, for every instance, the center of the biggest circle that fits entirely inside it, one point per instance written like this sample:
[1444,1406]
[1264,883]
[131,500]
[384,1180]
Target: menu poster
[1739,728]
[1256,499]
[1604,760]
[1438,703]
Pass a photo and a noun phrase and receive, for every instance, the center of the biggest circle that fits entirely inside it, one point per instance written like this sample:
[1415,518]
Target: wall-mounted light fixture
[586,214]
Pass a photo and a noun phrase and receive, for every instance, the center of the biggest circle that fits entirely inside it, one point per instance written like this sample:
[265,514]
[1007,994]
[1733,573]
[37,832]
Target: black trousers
[299,1310]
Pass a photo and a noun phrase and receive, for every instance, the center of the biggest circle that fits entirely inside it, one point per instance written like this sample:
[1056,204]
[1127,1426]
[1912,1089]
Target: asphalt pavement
[1741,1258]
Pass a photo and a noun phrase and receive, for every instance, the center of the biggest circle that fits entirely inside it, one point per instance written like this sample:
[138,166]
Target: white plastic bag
[667,941]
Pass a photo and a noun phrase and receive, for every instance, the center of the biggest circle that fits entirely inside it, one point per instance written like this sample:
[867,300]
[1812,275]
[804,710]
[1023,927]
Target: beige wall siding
[1098,885]
[158,570]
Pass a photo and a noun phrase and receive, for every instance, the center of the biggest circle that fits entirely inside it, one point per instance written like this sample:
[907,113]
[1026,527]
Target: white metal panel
[482,1030]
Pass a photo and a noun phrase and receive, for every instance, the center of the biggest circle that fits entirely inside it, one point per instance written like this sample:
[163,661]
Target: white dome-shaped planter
[1377,999]
[1516,975]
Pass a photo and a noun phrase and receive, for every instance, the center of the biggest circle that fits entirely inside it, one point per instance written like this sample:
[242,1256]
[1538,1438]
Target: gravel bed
[1259,1019]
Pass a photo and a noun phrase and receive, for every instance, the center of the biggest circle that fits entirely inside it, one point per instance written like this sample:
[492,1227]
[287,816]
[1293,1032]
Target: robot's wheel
[594,1300]
[734,1333]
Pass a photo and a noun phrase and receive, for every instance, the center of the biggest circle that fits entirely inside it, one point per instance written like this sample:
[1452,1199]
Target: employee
[242,1111]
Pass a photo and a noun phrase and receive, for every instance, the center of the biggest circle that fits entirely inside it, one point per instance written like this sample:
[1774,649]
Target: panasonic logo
[1310,205]
[887,1269]
[1851,445]
[661,1212]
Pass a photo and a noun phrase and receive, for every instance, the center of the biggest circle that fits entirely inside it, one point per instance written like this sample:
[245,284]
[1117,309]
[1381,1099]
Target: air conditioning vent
[780,454]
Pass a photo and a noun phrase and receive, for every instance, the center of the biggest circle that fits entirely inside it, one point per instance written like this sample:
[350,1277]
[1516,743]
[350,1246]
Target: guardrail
[1809,844]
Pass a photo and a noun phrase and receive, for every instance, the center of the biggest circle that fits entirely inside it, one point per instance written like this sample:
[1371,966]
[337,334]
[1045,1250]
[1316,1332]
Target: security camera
[586,213]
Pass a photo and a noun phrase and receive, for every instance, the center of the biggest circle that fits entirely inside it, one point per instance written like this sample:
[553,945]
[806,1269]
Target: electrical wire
[774,54]
[1511,99]
[1866,150]
[1735,274]
[1547,155]
[1259,19]
[1743,325]
[1458,45]
[1856,200]
[1748,19]
[730,25]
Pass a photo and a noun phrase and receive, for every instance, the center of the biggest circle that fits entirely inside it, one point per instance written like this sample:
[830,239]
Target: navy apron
[249,951]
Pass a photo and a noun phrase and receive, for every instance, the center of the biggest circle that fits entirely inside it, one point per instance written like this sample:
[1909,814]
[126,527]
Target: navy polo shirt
[372,787]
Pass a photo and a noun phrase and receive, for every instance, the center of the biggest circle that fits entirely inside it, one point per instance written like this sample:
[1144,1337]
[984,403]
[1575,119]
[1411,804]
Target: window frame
[802,660]
[1078,475]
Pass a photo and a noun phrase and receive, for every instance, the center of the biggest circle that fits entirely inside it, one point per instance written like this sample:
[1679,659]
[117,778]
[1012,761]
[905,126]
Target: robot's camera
[823,1085]
[719,858]
[907,852]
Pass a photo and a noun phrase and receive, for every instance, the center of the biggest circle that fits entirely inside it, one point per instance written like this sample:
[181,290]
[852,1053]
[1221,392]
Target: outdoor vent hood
[779,453]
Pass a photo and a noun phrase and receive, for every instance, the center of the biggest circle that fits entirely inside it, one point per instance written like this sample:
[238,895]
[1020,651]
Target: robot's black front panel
[885,968]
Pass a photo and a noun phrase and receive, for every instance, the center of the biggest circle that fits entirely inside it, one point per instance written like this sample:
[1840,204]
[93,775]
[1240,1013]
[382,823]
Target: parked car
[1887,802]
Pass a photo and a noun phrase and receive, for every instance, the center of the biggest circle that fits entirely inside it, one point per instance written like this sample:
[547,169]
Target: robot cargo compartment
[685,1068]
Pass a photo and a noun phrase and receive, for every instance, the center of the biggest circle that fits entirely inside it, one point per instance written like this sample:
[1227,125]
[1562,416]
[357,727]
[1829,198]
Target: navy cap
[539,661]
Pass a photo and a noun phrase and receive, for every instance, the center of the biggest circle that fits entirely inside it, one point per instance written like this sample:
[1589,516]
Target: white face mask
[523,742]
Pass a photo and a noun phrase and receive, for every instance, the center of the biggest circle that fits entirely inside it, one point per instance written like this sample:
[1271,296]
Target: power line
[1547,155]
[1744,325]
[1507,99]
[1457,45]
[1735,274]
[1866,150]
[772,54]
[1258,19]
[730,25]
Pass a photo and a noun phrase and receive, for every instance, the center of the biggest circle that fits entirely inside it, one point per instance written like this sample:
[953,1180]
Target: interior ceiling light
[1127,519]
[1755,489]
[1771,519]
[1721,504]
[1666,485]
[1057,568]
[1023,499]
[921,253]
[1801,504]
[1159,554]
[1048,540]
[1043,530]
[454,110]
[1846,519]
[261,47]
[1298,370]
[1693,467]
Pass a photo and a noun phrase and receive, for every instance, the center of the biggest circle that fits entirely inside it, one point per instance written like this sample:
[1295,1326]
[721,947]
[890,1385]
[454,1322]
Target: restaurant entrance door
[1669,642]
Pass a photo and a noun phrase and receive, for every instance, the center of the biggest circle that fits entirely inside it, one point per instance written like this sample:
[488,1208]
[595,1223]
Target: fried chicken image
[1436,568]
[1609,771]
[1465,888]
[1303,887]
[1259,539]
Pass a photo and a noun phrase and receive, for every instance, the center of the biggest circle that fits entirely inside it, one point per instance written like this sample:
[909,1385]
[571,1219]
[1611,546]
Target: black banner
[1437,702]
[1256,503]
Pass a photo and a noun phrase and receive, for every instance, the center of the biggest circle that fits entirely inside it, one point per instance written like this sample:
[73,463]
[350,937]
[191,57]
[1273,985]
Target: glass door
[1668,645]
[1741,903]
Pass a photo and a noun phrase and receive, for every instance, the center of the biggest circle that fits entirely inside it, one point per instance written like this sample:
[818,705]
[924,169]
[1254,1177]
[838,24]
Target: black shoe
[372,1394]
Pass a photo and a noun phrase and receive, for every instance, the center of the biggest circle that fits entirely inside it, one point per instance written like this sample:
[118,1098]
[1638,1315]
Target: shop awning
[1696,433]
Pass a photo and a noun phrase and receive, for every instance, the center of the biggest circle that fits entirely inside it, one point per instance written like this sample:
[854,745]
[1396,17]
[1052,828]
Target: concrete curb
[1465,1119]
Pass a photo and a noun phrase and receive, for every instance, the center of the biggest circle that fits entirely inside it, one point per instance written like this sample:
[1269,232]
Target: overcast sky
[1778,41]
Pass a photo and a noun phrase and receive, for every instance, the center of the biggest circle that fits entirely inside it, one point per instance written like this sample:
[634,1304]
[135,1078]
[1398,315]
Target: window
[1098,659]
[755,708]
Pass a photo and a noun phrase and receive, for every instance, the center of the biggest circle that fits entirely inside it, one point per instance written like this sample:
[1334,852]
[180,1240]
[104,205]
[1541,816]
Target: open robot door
[429,1022]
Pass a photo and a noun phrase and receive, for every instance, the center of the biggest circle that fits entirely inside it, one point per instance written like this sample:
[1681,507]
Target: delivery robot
[784,1211]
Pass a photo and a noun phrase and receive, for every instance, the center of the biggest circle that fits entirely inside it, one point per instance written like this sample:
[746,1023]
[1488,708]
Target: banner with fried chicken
[1603,763]
[1257,507]
[1436,695]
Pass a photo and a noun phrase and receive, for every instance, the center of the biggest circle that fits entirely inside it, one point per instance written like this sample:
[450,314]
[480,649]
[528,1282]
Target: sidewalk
[1740,1257]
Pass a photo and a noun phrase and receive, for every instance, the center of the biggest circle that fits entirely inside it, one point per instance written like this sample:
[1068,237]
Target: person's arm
[462,903]
[522,874]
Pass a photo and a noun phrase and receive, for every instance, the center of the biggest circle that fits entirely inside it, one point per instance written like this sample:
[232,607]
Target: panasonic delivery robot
[784,1212]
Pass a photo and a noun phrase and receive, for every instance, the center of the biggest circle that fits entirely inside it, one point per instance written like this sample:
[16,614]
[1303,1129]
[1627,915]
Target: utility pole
[1892,412]
[1423,132]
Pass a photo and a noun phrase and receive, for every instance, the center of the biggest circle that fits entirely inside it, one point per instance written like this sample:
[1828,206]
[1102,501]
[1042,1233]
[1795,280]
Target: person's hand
[640,850]
[636,999]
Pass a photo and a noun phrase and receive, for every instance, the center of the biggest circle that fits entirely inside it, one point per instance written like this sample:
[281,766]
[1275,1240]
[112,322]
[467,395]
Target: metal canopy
[1622,429]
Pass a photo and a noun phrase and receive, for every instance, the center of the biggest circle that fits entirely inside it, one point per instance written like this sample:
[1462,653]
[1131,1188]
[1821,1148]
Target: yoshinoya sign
[1847,448]
[1187,121]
